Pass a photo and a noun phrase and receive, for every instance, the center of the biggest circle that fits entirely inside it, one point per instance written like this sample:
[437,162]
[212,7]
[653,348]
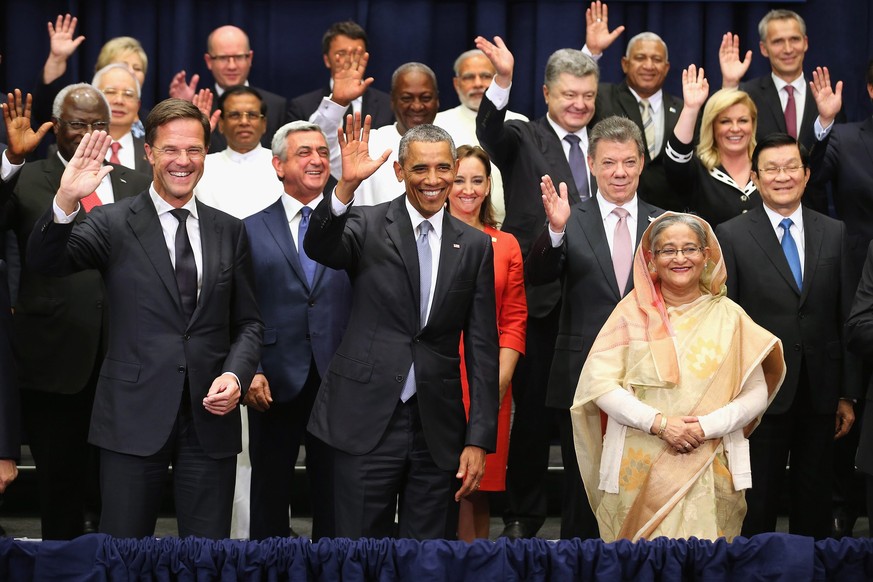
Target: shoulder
[270,97]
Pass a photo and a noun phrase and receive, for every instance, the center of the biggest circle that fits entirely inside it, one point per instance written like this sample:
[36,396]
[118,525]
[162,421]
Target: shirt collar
[436,221]
[799,84]
[126,141]
[163,207]
[582,133]
[293,206]
[775,218]
[606,207]
[219,91]
[241,158]
[655,100]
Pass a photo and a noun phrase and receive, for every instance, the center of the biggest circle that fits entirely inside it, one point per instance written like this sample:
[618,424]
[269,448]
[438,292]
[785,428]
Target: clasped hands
[682,434]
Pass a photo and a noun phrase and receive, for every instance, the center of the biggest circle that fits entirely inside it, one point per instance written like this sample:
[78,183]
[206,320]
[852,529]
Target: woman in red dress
[470,201]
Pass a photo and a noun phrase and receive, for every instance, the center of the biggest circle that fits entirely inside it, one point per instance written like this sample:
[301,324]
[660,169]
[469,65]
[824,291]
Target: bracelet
[663,426]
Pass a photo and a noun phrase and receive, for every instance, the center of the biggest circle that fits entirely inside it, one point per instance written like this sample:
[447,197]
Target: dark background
[286,38]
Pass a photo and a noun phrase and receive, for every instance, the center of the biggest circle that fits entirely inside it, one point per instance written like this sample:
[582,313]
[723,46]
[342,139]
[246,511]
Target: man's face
[177,159]
[414,100]
[340,51]
[306,168]
[781,178]
[230,58]
[241,122]
[646,68]
[617,167]
[119,87]
[80,106]
[474,76]
[570,100]
[785,46]
[429,174]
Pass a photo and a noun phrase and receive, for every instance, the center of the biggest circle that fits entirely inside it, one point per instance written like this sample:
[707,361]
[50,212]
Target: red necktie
[113,159]
[791,113]
[90,201]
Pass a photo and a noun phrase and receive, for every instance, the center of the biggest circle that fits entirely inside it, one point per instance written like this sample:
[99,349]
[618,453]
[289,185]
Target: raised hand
[181,89]
[501,58]
[597,35]
[695,87]
[349,82]
[202,100]
[732,68]
[355,155]
[84,171]
[557,206]
[22,139]
[828,100]
[63,42]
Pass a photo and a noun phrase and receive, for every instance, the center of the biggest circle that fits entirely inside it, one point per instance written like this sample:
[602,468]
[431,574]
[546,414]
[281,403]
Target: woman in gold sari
[683,376]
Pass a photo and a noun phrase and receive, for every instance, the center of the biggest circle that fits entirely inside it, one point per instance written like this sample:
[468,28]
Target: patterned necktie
[425,264]
[113,158]
[186,268]
[305,262]
[648,127]
[622,249]
[577,166]
[789,247]
[791,113]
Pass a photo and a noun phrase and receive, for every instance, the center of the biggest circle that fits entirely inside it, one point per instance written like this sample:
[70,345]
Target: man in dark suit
[229,58]
[10,412]
[788,268]
[590,248]
[123,91]
[390,404]
[339,43]
[60,322]
[524,152]
[185,332]
[305,307]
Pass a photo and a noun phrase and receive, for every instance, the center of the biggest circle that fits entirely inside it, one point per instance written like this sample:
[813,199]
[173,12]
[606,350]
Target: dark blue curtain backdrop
[286,38]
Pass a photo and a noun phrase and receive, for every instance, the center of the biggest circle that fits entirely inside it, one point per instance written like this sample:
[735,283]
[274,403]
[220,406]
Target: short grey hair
[464,56]
[618,130]
[779,14]
[424,133]
[99,75]
[279,145]
[571,61]
[647,36]
[409,67]
[58,103]
[662,224]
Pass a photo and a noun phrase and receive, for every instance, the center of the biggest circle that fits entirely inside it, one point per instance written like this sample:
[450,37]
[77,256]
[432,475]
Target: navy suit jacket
[302,324]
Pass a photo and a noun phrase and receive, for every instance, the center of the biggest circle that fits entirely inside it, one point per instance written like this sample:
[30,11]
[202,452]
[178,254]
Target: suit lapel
[773,104]
[591,223]
[452,248]
[556,160]
[146,227]
[210,243]
[276,223]
[672,108]
[866,136]
[813,236]
[762,231]
[399,229]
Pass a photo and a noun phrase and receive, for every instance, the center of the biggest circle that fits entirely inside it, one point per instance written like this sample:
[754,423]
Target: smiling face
[229,57]
[733,129]
[681,274]
[119,87]
[306,168]
[414,100]
[429,174]
[243,133]
[781,178]
[617,167]
[472,186]
[570,100]
[175,179]
[785,46]
[86,105]
[474,76]
[646,68]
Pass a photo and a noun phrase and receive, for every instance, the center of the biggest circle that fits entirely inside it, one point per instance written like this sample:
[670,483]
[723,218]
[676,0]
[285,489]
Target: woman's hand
[681,436]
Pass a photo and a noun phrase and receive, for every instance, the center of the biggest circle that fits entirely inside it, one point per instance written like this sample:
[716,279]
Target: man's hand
[8,473]
[223,395]
[349,82]
[470,471]
[181,89]
[355,155]
[85,171]
[828,100]
[732,68]
[258,395]
[22,139]
[500,57]
[597,35]
[845,418]
[62,46]
[557,206]
[202,100]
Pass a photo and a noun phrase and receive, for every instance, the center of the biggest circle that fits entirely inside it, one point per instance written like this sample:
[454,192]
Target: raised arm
[828,99]
[732,68]
[202,100]
[598,38]
[63,42]
[695,90]
[23,140]
[180,88]
[501,58]
[355,154]
[84,171]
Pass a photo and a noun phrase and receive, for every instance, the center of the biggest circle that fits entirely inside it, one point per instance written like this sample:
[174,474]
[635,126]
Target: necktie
[622,249]
[791,113]
[424,267]
[90,201]
[113,158]
[648,127]
[186,268]
[305,262]
[789,247]
[577,166]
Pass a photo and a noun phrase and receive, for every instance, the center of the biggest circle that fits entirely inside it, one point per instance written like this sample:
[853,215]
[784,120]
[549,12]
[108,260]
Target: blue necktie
[790,249]
[425,264]
[577,166]
[305,262]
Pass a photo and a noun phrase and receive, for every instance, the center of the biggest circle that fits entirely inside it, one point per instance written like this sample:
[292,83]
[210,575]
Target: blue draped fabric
[765,557]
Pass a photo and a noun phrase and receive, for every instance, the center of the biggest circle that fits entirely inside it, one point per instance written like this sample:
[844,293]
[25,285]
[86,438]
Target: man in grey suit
[185,333]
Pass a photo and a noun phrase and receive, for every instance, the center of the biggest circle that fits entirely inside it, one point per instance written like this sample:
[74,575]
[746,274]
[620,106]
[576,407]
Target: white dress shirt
[239,184]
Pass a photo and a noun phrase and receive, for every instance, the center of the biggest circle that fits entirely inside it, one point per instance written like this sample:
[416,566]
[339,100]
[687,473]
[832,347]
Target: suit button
[308,337]
[744,211]
[398,378]
[744,197]
[181,369]
[311,304]
[99,305]
[796,347]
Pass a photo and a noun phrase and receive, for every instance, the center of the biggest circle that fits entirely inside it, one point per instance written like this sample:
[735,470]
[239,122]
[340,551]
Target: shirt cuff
[337,207]
[330,111]
[821,132]
[8,169]
[60,216]
[587,51]
[498,95]
[557,238]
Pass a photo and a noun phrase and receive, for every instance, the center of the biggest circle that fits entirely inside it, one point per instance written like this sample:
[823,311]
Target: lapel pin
[672,110]
[456,245]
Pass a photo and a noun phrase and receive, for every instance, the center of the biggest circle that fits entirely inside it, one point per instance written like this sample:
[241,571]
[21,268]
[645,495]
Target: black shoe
[515,530]
[91,523]
[2,532]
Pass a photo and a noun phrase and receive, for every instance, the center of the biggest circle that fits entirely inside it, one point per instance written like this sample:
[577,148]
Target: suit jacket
[10,413]
[153,349]
[301,323]
[589,289]
[859,333]
[276,118]
[844,159]
[617,99]
[375,103]
[51,310]
[362,387]
[809,322]
[141,161]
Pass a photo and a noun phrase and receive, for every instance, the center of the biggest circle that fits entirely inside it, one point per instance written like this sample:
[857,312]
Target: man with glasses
[789,268]
[60,322]
[122,90]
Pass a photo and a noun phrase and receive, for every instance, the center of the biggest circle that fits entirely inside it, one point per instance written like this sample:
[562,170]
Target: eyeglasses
[687,252]
[174,153]
[774,171]
[82,126]
[127,94]
[238,115]
[224,59]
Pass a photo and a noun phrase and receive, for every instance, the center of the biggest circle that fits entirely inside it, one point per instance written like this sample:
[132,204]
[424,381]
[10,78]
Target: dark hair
[348,28]
[241,90]
[486,211]
[170,110]
[777,140]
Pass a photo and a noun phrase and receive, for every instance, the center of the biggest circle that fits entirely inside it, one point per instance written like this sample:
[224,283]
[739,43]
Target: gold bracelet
[663,426]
